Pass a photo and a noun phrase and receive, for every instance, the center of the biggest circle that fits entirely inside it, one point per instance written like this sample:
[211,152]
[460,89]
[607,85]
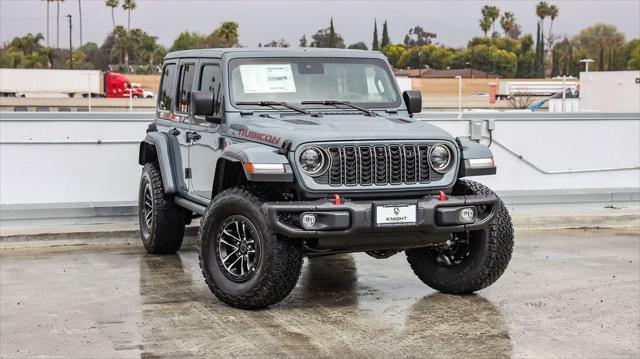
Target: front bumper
[356,218]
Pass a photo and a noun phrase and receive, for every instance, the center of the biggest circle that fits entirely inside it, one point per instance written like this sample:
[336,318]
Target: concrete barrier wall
[91,158]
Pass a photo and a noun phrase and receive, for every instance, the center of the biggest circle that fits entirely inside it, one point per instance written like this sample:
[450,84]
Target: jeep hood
[274,130]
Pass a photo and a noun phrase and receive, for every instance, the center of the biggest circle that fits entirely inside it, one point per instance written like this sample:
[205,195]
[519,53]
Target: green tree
[436,57]
[417,36]
[25,52]
[599,42]
[394,53]
[385,36]
[321,39]
[303,41]
[332,35]
[129,5]
[493,60]
[375,46]
[633,54]
[121,45]
[277,43]
[186,41]
[526,58]
[358,46]
[113,4]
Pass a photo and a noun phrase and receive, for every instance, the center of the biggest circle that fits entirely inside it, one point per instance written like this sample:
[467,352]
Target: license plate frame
[385,214]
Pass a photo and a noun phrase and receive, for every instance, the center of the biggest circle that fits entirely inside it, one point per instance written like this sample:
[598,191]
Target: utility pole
[57,24]
[70,44]
[80,19]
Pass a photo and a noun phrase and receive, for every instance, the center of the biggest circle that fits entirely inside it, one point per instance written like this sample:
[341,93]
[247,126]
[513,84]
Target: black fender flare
[157,146]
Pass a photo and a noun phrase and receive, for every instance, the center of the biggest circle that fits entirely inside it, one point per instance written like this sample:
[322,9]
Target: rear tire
[474,267]
[162,222]
[244,263]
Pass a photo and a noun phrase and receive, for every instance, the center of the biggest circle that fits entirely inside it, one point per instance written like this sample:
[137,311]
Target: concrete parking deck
[567,293]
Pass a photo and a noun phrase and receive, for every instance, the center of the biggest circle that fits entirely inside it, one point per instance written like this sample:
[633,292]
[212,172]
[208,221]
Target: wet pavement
[569,293]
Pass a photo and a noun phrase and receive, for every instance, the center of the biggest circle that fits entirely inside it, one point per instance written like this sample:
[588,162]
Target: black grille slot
[335,172]
[350,160]
[377,165]
[381,168]
[366,165]
[395,164]
[410,164]
[423,163]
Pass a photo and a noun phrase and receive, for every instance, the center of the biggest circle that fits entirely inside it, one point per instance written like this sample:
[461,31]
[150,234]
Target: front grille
[367,165]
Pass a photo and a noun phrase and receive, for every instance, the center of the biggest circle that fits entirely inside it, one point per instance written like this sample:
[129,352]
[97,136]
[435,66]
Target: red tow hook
[443,196]
[337,200]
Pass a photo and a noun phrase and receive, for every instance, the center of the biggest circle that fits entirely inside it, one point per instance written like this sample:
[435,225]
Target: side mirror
[413,100]
[202,105]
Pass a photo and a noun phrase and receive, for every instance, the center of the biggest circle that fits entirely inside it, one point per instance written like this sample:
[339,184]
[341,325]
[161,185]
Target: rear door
[205,145]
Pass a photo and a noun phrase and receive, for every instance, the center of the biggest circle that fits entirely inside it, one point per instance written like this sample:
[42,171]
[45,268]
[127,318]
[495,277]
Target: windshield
[362,81]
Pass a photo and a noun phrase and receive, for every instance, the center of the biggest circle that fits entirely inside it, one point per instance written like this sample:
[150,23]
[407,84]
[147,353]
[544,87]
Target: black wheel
[470,261]
[243,262]
[162,222]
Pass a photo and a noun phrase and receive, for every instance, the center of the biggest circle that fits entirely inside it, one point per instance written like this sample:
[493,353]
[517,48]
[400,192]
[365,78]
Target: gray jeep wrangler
[311,152]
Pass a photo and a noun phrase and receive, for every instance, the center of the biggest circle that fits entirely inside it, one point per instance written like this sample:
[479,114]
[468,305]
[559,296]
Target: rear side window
[210,81]
[187,73]
[165,98]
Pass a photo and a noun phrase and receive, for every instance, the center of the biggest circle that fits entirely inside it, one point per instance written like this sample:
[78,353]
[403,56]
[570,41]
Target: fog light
[308,220]
[467,215]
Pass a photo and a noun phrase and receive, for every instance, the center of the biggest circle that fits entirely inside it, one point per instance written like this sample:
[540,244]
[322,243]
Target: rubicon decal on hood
[262,137]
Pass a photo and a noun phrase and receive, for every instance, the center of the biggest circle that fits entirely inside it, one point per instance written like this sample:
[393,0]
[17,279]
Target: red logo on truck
[263,137]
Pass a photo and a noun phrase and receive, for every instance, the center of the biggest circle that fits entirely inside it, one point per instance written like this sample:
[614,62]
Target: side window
[165,98]
[187,73]
[210,81]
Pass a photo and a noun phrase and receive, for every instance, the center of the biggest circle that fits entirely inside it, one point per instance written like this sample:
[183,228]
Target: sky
[454,21]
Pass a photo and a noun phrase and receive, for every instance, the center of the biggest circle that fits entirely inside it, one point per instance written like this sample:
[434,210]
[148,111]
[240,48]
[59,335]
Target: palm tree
[552,12]
[542,10]
[58,23]
[48,1]
[129,5]
[229,30]
[507,22]
[121,45]
[485,25]
[490,14]
[113,4]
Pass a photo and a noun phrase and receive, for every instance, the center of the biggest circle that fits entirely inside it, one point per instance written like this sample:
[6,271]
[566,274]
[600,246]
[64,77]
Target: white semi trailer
[535,88]
[63,83]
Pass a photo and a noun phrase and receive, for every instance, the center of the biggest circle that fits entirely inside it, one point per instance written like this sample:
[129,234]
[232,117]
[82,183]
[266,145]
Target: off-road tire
[166,232]
[490,252]
[280,259]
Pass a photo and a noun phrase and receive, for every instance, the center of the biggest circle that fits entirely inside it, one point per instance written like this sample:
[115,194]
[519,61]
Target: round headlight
[440,158]
[312,161]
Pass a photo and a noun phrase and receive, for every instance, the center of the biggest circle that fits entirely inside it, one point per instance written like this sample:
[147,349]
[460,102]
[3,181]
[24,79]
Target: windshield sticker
[267,78]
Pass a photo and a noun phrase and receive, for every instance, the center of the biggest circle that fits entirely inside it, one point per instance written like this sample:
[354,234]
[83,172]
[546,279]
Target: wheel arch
[156,147]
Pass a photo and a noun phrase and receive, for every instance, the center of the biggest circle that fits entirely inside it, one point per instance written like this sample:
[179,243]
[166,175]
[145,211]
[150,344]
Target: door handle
[193,136]
[174,132]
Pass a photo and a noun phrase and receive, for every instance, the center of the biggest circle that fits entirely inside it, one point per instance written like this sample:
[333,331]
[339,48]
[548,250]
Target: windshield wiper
[336,103]
[275,103]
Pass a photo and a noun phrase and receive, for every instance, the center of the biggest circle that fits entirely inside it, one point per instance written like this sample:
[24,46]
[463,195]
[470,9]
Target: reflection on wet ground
[567,293]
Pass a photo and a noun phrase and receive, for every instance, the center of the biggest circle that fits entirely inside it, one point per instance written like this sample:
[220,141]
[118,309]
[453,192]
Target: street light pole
[70,44]
[586,63]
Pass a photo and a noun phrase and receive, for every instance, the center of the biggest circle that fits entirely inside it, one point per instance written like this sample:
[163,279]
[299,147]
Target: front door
[183,102]
[204,150]
[172,122]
